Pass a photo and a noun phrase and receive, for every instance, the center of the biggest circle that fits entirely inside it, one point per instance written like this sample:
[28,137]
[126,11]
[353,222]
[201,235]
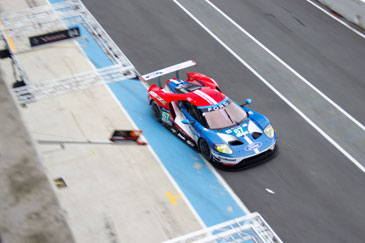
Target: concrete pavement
[29,209]
[113,192]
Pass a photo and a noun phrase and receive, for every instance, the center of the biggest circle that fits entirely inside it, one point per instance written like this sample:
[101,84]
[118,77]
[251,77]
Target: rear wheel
[205,149]
[156,111]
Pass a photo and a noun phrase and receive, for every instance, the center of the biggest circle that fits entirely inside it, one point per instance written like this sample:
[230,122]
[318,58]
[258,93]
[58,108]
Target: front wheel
[156,111]
[205,149]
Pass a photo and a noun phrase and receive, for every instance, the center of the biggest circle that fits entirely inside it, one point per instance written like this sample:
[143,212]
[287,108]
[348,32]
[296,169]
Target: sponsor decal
[190,143]
[228,160]
[153,94]
[181,136]
[153,75]
[253,146]
[54,36]
[222,159]
[218,107]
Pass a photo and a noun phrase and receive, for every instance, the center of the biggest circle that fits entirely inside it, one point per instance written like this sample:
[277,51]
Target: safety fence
[250,228]
[21,28]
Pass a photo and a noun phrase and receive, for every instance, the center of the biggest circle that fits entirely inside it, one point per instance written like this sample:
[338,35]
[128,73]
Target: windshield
[224,115]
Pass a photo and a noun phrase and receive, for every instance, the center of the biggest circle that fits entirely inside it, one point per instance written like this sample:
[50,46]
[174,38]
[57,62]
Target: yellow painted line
[8,38]
[173,197]
[11,43]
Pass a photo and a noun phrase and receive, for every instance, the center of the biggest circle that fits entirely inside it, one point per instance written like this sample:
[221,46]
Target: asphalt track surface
[319,194]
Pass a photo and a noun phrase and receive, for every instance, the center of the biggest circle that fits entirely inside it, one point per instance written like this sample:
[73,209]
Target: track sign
[54,36]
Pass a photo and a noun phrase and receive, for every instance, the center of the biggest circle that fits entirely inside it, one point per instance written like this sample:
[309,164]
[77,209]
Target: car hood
[247,137]
[247,128]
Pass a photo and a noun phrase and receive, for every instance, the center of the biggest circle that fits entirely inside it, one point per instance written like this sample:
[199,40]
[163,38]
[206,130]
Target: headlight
[269,131]
[223,148]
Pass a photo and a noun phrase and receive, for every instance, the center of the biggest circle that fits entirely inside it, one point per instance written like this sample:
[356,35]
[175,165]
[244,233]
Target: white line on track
[325,135]
[288,67]
[337,19]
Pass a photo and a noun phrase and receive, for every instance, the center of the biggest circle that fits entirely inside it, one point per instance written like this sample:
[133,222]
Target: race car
[228,134]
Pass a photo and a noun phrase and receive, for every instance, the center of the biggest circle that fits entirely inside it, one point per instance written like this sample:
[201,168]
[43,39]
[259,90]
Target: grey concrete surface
[29,209]
[318,192]
[113,193]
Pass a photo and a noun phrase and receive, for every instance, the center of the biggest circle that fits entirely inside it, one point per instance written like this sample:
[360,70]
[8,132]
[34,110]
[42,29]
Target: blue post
[159,82]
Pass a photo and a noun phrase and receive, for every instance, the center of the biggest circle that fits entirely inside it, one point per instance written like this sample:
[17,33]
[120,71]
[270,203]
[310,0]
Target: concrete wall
[352,10]
[29,210]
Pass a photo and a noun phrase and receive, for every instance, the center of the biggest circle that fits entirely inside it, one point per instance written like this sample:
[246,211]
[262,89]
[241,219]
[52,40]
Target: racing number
[239,132]
[165,116]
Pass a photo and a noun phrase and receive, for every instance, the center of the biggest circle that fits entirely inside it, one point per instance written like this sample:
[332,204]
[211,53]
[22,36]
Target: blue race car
[229,135]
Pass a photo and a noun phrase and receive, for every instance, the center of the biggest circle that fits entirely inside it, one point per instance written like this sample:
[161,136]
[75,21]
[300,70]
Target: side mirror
[247,102]
[186,121]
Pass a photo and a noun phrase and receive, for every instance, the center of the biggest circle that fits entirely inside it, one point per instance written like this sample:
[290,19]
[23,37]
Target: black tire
[205,149]
[156,111]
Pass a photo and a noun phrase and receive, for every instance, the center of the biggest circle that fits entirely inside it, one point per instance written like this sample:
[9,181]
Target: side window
[193,111]
[172,110]
[189,108]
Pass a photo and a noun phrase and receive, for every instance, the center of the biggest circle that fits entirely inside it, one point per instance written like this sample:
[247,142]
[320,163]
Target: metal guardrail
[18,26]
[80,81]
[249,228]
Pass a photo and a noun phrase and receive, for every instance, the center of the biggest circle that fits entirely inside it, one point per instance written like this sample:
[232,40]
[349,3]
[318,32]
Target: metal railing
[249,228]
[18,26]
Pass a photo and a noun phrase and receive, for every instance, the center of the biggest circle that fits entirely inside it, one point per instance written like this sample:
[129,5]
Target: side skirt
[182,136]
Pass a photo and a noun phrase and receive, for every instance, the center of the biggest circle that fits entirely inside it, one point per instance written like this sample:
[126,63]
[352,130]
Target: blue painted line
[210,199]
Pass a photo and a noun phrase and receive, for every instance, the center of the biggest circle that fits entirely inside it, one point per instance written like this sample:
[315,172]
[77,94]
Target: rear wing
[175,68]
